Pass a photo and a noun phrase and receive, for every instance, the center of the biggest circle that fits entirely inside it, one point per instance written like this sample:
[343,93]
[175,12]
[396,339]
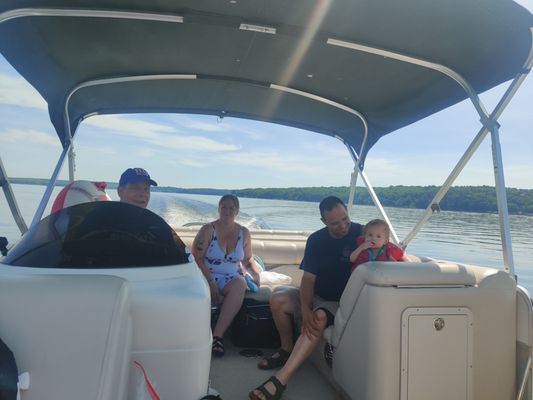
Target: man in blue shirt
[327,268]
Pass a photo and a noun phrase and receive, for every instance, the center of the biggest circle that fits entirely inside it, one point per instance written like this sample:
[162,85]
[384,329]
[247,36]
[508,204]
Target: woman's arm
[248,262]
[199,248]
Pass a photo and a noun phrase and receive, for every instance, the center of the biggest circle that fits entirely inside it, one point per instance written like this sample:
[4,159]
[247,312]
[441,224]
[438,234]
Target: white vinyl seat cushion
[72,333]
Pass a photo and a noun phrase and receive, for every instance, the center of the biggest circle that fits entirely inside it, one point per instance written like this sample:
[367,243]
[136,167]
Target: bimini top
[327,66]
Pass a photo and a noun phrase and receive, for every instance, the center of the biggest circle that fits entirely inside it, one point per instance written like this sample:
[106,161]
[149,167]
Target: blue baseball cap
[135,175]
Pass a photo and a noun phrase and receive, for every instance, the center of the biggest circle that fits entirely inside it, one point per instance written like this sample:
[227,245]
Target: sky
[194,151]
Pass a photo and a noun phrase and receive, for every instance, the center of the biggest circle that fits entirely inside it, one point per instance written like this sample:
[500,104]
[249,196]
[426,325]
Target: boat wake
[179,211]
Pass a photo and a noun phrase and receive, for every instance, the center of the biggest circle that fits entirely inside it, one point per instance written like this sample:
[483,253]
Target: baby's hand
[356,252]
[365,245]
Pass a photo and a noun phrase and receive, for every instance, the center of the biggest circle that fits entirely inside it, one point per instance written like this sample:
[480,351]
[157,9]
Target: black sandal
[275,362]
[280,388]
[217,349]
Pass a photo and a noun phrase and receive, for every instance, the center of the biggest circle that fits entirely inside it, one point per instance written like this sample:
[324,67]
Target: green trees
[458,198]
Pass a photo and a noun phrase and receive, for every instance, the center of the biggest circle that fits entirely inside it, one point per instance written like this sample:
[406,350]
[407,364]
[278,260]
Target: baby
[374,245]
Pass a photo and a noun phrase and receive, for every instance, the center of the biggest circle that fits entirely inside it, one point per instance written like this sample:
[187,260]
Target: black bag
[253,326]
[8,373]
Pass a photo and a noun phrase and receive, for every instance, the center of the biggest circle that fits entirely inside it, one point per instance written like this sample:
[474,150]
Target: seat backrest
[426,330]
[390,274]
[72,333]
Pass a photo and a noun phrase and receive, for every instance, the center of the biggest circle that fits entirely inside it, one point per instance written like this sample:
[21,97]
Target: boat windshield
[99,235]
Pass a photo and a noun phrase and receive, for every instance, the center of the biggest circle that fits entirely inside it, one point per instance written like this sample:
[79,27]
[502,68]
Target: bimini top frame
[305,46]
[267,62]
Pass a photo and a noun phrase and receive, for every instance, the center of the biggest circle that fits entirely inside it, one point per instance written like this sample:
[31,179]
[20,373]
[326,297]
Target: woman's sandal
[280,388]
[217,349]
[272,362]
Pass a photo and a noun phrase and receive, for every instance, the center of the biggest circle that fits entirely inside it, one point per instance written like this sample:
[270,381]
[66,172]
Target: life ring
[80,191]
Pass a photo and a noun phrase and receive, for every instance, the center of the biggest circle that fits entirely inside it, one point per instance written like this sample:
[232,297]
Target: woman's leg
[233,295]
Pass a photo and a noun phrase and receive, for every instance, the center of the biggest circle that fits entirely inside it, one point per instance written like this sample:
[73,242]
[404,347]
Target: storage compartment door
[436,354]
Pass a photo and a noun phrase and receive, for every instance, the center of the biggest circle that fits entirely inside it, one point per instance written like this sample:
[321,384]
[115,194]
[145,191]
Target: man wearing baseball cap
[134,187]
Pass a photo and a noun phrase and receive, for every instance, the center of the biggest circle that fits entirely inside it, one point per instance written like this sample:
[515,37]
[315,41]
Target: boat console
[59,275]
[104,234]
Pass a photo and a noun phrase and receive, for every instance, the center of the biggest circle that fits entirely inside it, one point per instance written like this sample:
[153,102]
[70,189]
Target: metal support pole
[434,204]
[372,193]
[50,187]
[378,205]
[10,197]
[523,381]
[353,182]
[71,163]
[501,196]
[498,110]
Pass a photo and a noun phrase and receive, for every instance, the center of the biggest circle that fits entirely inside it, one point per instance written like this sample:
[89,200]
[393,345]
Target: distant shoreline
[459,198]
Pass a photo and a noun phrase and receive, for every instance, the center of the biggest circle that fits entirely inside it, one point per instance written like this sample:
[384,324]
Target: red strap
[100,185]
[151,389]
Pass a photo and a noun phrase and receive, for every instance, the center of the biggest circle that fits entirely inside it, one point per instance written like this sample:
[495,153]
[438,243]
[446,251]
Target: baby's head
[376,232]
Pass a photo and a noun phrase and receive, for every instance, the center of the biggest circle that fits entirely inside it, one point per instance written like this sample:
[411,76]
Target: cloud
[96,151]
[194,143]
[192,163]
[519,176]
[27,136]
[190,123]
[145,152]
[128,126]
[17,92]
[208,123]
[159,135]
[275,161]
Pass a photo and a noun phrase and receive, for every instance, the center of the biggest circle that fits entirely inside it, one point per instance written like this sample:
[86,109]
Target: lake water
[456,236]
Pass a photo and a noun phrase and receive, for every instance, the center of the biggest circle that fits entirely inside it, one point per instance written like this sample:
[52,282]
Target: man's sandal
[272,361]
[280,388]
[217,349]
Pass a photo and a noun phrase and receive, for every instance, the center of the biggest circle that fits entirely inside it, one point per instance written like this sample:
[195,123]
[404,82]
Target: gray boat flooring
[234,376]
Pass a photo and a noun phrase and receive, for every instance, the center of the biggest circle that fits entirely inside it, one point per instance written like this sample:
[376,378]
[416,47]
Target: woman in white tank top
[223,251]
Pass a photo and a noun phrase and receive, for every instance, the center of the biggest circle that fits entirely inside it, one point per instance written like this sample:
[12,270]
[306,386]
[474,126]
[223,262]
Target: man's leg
[302,349]
[233,296]
[283,304]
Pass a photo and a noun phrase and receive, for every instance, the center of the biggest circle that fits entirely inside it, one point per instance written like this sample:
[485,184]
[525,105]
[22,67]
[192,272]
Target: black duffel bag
[253,326]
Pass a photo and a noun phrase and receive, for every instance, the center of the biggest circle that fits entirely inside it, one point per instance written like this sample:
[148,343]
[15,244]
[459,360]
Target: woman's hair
[231,197]
[378,222]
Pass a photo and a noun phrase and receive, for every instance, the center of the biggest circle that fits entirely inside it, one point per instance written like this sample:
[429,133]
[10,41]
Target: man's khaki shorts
[318,302]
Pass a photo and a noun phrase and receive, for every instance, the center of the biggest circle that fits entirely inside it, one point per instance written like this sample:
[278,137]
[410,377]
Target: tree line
[459,198]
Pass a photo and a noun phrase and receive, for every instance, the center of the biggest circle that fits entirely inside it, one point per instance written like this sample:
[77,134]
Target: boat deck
[234,376]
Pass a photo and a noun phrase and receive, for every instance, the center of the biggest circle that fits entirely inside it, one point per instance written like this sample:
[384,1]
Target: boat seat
[72,333]
[434,327]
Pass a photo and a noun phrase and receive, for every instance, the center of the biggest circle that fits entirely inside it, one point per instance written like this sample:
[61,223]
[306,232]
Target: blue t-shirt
[329,260]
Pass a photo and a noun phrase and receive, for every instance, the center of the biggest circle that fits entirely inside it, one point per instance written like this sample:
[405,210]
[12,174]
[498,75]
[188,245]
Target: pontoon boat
[77,315]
